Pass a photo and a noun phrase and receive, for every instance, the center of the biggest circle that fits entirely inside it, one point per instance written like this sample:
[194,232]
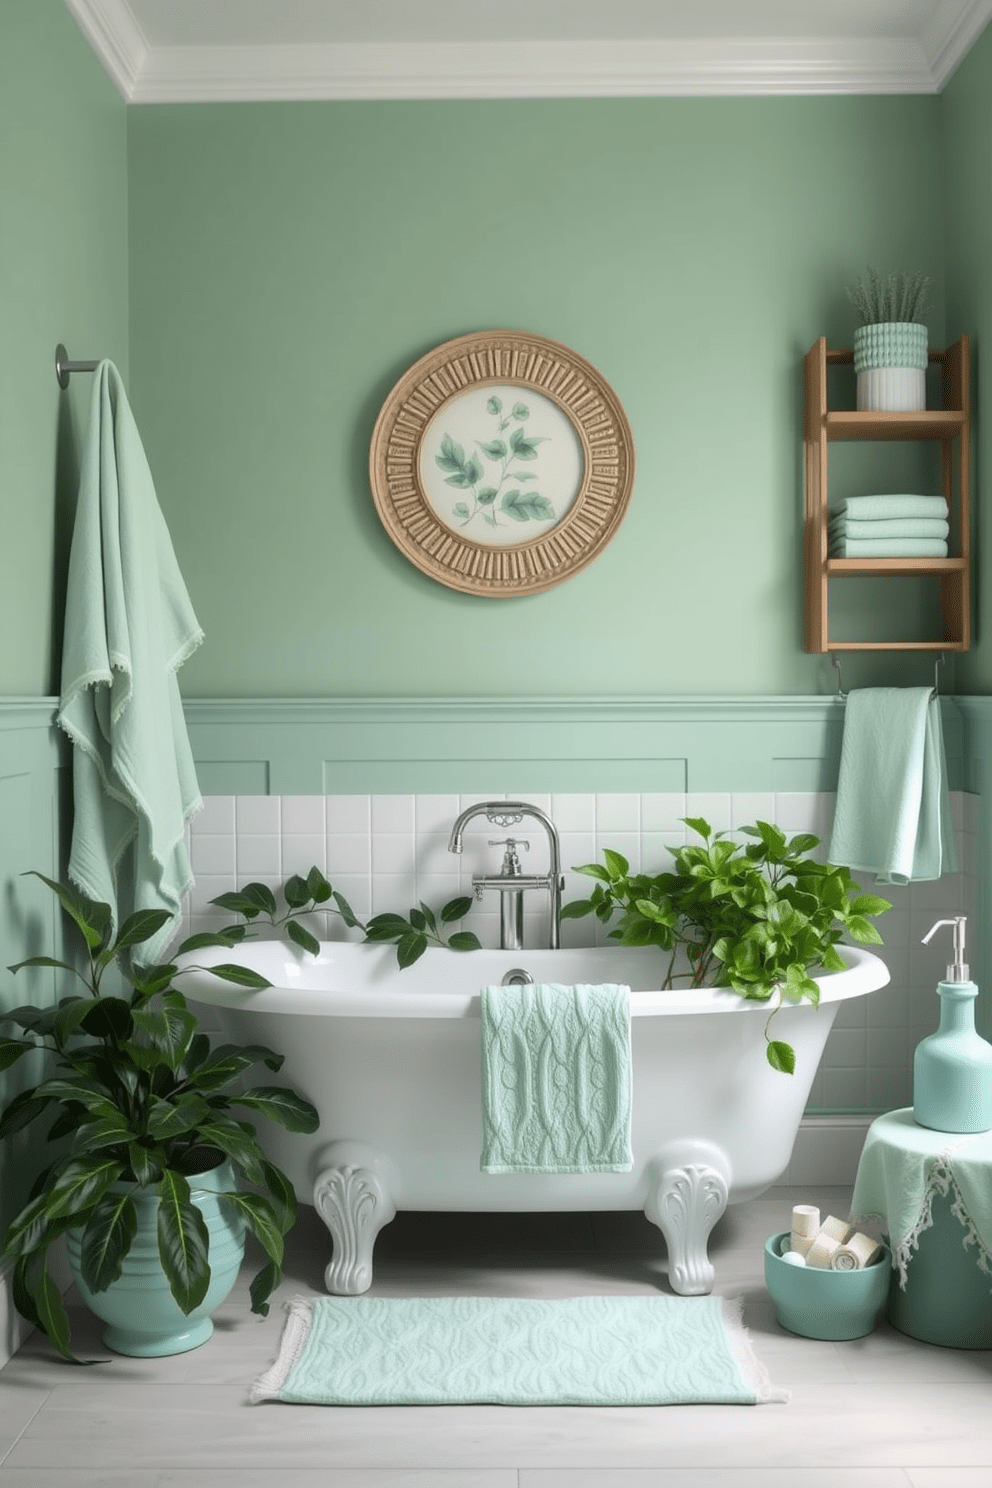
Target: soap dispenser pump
[952,1069]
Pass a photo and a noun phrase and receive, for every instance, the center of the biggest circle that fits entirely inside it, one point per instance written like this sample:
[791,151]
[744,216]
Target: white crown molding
[586,69]
[945,47]
[112,32]
[452,70]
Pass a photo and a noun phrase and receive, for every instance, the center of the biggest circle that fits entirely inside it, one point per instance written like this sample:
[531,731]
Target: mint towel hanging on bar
[893,814]
[129,626]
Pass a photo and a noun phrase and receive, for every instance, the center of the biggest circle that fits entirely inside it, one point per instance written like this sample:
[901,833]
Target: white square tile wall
[390,852]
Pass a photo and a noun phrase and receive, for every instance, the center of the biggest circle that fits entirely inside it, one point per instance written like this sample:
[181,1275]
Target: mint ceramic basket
[890,359]
[825,1304]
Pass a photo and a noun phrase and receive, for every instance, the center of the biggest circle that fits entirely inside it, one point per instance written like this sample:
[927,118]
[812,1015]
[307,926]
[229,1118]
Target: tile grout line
[30,1422]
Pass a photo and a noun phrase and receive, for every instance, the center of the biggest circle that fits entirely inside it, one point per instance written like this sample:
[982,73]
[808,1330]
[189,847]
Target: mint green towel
[893,814]
[888,547]
[556,1079]
[904,1166]
[129,626]
[870,508]
[896,527]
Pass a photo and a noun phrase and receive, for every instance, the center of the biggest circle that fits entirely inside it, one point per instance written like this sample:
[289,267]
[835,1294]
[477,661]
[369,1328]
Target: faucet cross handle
[511,862]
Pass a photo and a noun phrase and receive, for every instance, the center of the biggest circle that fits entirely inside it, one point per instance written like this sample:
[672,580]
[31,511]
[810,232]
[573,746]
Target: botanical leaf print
[469,473]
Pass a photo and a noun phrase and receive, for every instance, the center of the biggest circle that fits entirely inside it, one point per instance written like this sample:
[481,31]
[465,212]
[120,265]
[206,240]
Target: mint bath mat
[508,1351]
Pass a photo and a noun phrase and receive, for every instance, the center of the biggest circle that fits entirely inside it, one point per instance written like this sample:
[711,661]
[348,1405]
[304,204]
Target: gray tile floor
[884,1411]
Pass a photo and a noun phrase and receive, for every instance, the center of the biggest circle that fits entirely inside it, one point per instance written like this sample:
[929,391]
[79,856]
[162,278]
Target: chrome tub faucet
[511,882]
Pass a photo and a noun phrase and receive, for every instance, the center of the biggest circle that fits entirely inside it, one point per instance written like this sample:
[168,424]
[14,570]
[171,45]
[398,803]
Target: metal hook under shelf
[835,663]
[63,366]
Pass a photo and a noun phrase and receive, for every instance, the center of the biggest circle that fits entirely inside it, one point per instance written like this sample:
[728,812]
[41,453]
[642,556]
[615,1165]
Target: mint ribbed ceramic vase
[952,1069]
[890,360]
[142,1317]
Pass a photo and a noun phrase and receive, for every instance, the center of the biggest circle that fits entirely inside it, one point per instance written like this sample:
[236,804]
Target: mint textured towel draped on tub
[556,1079]
[129,626]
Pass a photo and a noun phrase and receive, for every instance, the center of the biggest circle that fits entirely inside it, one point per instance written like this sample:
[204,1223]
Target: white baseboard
[13,1329]
[827,1150]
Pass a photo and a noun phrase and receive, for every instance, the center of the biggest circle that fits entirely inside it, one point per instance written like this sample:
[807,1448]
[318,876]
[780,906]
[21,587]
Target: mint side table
[933,1192]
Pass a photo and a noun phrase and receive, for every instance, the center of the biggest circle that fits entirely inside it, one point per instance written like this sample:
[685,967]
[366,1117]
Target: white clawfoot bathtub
[391,1060]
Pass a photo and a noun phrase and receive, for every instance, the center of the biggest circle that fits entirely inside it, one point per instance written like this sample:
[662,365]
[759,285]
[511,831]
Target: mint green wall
[63,277]
[289,261]
[967,120]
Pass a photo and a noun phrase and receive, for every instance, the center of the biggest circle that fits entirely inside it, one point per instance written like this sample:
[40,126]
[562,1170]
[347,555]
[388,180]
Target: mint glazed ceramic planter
[141,1315]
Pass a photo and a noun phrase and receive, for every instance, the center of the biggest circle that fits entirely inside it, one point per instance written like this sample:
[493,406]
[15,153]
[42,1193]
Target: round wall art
[501,463]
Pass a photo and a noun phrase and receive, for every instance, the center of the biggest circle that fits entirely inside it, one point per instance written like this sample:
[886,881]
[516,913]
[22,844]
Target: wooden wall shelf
[949,425]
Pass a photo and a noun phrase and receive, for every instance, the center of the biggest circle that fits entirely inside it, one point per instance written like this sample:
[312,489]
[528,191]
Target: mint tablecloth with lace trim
[904,1166]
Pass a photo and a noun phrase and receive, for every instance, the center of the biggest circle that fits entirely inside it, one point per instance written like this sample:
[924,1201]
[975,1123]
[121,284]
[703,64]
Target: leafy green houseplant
[141,1100]
[757,918]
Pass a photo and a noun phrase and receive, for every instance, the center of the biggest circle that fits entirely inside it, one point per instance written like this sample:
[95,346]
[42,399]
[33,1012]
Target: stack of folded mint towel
[889,527]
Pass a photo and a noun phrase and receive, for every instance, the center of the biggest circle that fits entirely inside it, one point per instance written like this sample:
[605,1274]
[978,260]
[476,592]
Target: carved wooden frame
[599,423]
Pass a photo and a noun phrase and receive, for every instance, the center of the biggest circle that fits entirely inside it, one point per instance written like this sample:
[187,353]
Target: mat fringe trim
[753,1372]
[295,1334]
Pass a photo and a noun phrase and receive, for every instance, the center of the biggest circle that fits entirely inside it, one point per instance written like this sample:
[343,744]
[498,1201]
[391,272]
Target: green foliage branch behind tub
[410,933]
[756,917]
[141,1099]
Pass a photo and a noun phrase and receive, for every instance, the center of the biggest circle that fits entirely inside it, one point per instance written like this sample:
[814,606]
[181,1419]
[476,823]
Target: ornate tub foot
[352,1196]
[687,1195]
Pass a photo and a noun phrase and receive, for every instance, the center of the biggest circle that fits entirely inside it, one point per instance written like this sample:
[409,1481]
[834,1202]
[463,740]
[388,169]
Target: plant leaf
[237,904]
[11,1050]
[347,913]
[107,1239]
[108,1018]
[295,892]
[781,1057]
[456,909]
[302,937]
[183,1242]
[465,940]
[241,976]
[237,1141]
[139,927]
[281,1105]
[282,1195]
[410,948]
[52,1316]
[92,917]
[79,1184]
[317,886]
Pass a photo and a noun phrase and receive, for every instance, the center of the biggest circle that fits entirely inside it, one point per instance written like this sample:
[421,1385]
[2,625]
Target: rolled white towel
[856,1252]
[805,1223]
[821,1253]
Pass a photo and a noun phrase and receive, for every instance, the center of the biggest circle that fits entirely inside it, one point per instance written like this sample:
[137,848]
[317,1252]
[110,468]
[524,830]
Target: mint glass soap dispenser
[952,1069]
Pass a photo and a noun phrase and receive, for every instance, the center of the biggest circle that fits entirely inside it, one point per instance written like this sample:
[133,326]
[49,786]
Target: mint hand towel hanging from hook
[129,626]
[892,816]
